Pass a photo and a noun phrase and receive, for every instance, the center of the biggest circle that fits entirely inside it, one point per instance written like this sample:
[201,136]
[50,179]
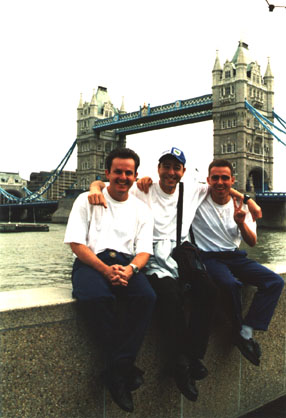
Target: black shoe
[185,383]
[257,348]
[134,378]
[249,349]
[197,370]
[117,387]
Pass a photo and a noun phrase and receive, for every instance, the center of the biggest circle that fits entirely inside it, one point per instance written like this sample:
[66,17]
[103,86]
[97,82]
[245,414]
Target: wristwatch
[246,197]
[134,268]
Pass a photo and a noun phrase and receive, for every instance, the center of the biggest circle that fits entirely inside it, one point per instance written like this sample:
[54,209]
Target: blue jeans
[121,335]
[230,270]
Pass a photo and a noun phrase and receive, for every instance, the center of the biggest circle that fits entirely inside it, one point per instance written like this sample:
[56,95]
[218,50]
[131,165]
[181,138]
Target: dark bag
[188,258]
[187,255]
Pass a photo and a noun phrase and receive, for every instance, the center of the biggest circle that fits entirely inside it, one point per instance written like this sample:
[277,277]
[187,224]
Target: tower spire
[80,105]
[122,107]
[268,72]
[217,66]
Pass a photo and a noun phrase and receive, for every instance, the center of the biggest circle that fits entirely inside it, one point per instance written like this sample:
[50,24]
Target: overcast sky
[148,51]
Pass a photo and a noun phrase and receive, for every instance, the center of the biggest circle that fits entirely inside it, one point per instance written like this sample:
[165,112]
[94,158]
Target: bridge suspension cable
[266,123]
[31,196]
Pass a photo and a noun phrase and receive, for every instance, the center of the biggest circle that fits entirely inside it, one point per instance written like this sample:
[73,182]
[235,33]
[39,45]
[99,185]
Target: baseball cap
[175,152]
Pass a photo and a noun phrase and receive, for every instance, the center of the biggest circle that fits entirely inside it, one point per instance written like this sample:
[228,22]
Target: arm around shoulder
[253,207]
[95,196]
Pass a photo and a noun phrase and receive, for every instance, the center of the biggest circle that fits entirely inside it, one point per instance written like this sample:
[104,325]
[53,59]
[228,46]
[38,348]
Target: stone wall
[50,366]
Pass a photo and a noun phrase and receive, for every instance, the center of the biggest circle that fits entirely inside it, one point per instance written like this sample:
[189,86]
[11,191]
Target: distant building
[92,148]
[13,184]
[238,136]
[65,181]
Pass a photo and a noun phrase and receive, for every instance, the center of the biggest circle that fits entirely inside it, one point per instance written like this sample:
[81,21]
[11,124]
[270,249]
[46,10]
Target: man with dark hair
[219,225]
[122,153]
[111,246]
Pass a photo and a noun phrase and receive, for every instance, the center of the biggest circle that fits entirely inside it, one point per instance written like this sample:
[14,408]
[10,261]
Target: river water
[34,259]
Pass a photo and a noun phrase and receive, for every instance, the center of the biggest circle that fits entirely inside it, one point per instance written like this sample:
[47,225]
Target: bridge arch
[257,180]
[14,213]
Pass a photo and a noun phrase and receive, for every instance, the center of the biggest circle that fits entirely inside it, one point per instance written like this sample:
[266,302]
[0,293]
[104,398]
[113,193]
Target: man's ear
[208,180]
[106,173]
[232,180]
[136,175]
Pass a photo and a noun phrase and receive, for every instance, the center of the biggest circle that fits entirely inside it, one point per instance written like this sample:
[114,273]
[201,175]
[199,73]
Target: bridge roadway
[47,203]
[149,118]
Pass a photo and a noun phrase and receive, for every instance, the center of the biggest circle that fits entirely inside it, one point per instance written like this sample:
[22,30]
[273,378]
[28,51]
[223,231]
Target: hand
[96,197]
[116,275]
[254,209]
[144,184]
[239,214]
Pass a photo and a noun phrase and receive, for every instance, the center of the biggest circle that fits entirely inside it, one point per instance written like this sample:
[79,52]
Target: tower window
[227,74]
[234,167]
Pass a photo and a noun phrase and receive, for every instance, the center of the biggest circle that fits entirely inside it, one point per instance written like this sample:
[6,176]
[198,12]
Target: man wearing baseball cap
[186,345]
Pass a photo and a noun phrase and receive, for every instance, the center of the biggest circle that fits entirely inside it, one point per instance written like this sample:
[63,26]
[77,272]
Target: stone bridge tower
[92,148]
[238,136]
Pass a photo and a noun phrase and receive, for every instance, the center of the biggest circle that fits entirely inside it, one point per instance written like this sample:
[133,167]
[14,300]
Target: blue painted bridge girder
[35,203]
[149,118]
[271,196]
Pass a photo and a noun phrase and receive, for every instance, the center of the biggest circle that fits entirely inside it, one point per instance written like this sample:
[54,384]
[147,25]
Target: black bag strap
[192,236]
[180,213]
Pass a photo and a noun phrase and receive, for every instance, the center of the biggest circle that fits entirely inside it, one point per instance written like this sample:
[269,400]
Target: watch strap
[246,198]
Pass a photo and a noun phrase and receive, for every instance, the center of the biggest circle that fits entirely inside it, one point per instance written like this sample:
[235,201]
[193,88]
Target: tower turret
[269,83]
[93,148]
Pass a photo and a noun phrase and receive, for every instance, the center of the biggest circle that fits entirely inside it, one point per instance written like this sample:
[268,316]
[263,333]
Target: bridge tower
[92,147]
[238,136]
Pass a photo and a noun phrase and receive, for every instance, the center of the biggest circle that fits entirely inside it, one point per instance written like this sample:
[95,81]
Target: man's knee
[279,283]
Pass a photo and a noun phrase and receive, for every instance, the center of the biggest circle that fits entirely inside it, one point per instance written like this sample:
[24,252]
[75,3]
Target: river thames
[35,259]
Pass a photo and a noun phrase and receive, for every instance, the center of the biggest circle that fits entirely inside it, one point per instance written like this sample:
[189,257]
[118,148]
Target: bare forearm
[85,255]
[253,207]
[140,260]
[96,185]
[248,236]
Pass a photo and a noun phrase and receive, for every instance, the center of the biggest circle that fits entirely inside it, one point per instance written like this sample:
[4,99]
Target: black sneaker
[134,378]
[118,390]
[185,383]
[197,370]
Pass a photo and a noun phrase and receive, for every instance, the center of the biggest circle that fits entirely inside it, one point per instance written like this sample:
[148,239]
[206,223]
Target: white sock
[246,332]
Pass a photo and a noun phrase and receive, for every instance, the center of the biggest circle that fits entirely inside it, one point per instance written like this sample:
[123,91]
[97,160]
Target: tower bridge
[240,105]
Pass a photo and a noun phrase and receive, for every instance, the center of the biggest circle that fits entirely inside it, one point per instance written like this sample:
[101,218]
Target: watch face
[134,268]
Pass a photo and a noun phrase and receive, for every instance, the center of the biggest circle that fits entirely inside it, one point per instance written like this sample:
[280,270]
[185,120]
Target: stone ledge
[50,366]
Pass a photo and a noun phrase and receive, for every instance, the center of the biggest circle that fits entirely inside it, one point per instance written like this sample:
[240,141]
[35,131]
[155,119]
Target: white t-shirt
[164,208]
[124,226]
[214,227]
